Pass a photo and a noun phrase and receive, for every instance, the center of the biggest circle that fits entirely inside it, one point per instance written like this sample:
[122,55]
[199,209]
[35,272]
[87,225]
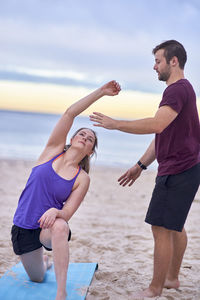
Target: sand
[109,229]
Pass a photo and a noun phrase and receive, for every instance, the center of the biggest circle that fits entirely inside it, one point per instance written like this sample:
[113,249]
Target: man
[176,147]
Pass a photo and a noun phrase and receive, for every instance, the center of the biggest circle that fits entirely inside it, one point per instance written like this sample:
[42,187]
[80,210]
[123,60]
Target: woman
[55,189]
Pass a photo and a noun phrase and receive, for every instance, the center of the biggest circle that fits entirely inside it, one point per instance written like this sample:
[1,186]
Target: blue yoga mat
[15,284]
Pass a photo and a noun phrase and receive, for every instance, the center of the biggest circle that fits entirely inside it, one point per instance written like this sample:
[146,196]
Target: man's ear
[174,61]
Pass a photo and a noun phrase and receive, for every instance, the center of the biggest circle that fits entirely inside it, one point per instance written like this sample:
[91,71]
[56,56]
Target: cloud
[96,40]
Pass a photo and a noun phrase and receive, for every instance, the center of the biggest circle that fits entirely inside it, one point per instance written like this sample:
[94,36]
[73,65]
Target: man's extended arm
[133,173]
[163,117]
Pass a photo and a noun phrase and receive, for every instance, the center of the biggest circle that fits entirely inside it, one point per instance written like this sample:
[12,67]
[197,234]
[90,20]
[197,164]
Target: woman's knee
[37,278]
[60,227]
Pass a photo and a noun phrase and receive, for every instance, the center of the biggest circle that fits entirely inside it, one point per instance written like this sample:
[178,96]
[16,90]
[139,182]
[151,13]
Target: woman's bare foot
[172,284]
[47,263]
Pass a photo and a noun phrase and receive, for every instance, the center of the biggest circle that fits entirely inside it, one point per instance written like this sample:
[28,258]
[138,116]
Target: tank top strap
[78,171]
[60,154]
[56,156]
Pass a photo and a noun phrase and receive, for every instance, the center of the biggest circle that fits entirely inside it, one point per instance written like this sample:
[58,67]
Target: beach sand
[109,229]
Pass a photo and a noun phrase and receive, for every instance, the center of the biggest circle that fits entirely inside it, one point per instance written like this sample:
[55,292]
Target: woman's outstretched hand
[111,88]
[130,176]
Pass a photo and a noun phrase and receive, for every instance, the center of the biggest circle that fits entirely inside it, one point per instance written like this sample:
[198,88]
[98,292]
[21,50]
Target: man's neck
[175,77]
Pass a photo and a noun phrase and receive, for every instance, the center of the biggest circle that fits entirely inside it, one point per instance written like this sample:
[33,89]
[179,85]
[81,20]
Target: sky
[53,52]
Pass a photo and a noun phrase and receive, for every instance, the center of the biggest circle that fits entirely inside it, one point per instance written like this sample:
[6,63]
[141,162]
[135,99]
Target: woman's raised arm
[58,136]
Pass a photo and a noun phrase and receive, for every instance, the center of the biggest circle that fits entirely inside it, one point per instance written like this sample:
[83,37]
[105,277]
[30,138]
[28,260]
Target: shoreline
[29,163]
[109,229]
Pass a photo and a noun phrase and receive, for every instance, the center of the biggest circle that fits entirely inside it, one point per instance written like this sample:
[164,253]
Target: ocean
[23,135]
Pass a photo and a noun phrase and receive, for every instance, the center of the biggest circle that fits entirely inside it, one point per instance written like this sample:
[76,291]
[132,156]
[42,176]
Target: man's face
[162,68]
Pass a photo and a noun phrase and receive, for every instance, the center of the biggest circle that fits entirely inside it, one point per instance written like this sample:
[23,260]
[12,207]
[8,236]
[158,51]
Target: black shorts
[172,198]
[27,240]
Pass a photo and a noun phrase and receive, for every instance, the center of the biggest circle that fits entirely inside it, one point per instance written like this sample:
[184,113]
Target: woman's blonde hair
[85,162]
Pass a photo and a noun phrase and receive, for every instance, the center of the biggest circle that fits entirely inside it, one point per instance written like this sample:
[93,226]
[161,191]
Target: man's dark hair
[173,48]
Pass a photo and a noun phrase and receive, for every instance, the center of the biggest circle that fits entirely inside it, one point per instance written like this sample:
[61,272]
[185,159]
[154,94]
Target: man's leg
[162,259]
[179,240]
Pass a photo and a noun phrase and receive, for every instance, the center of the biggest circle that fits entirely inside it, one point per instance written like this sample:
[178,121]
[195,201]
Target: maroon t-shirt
[178,146]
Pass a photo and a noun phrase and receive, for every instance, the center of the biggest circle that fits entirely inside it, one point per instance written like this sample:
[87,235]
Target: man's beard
[164,76]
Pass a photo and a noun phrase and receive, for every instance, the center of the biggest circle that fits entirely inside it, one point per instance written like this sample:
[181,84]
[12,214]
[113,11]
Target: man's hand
[130,176]
[102,121]
[48,218]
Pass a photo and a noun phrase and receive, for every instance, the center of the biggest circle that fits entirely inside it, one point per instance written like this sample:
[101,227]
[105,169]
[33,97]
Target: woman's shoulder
[83,178]
[48,155]
[84,175]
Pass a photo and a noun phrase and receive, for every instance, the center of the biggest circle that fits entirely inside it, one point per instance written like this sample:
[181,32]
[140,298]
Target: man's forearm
[143,126]
[149,156]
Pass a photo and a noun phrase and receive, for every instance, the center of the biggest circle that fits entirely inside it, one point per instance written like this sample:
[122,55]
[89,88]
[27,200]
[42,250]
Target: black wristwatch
[143,167]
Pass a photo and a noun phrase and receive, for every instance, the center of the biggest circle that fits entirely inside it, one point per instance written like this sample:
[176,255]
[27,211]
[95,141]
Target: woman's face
[85,140]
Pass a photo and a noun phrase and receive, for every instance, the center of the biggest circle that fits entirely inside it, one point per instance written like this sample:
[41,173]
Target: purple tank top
[44,189]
